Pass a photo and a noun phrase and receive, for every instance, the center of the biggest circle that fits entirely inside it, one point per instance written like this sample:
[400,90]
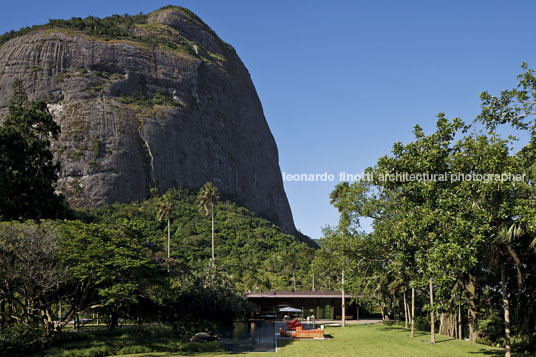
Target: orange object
[317,333]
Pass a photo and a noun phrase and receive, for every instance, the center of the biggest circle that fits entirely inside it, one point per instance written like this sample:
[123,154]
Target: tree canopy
[28,172]
[453,218]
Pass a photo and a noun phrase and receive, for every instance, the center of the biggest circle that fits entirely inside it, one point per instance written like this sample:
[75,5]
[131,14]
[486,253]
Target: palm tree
[503,249]
[337,194]
[207,197]
[164,207]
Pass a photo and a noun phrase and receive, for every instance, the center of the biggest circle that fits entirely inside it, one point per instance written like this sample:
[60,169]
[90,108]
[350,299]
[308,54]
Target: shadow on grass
[497,353]
[447,340]
[284,343]
[390,328]
[417,333]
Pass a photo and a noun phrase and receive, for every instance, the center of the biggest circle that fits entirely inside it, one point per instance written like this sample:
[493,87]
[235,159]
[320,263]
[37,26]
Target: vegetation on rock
[126,27]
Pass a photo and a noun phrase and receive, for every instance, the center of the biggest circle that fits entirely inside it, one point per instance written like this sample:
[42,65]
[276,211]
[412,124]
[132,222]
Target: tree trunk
[382,311]
[313,287]
[412,312]
[3,313]
[448,324]
[471,308]
[405,312]
[460,325]
[506,303]
[432,317]
[213,235]
[168,240]
[408,309]
[114,321]
[168,244]
[455,324]
[343,307]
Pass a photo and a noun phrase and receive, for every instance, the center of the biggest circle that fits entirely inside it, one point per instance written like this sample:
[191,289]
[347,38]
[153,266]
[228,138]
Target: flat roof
[298,294]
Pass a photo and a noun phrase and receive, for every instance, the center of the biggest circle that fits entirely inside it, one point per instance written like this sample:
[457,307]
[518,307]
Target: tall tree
[28,172]
[207,198]
[514,202]
[164,208]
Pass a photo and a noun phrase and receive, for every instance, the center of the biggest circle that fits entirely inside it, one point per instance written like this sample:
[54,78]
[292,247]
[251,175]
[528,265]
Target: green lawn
[371,340]
[361,340]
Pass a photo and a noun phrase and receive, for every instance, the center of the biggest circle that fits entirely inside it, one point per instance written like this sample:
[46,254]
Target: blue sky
[341,81]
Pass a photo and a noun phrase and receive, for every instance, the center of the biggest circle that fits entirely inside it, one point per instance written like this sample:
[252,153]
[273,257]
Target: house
[324,305]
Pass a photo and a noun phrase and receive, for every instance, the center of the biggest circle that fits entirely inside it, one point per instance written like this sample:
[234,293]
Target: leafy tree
[28,172]
[32,279]
[516,107]
[112,267]
[466,243]
[511,223]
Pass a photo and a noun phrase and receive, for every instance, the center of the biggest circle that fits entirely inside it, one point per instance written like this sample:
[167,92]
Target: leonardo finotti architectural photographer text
[405,177]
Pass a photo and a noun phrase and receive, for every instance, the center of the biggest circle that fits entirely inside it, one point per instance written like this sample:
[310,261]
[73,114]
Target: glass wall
[326,309]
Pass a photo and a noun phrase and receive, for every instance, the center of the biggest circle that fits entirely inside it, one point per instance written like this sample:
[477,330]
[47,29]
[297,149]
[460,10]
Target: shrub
[422,323]
[19,340]
[491,329]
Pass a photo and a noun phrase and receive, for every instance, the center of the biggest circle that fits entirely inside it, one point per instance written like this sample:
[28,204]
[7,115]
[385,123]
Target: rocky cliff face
[171,105]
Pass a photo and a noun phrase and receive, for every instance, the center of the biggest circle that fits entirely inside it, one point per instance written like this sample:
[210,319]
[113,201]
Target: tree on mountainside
[207,198]
[28,172]
[164,209]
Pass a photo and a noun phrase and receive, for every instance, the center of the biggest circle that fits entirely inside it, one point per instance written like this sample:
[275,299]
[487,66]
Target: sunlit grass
[372,340]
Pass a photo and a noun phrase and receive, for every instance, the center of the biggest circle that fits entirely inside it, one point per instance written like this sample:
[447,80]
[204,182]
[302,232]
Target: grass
[370,340]
[149,340]
[360,340]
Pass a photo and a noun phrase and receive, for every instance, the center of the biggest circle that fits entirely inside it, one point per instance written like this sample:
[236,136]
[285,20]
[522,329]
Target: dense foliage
[55,272]
[115,264]
[460,238]
[28,172]
[254,252]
